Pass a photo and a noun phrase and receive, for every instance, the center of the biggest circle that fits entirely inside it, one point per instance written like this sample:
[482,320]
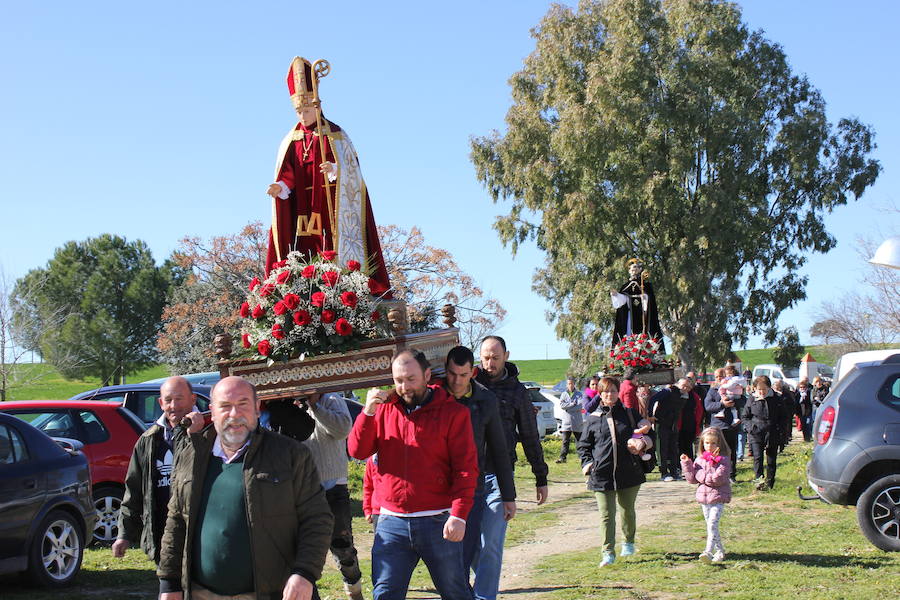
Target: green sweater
[222,557]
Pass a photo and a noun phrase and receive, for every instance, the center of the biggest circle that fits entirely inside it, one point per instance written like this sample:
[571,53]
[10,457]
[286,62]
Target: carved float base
[656,377]
[368,366]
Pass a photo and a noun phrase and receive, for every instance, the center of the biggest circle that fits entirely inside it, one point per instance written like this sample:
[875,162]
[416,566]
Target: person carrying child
[710,472]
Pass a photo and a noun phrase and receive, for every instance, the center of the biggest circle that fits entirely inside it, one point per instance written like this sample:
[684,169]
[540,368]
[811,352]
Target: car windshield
[791,373]
[535,395]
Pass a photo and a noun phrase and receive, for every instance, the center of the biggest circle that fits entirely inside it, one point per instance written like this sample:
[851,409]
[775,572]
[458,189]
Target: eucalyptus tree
[668,130]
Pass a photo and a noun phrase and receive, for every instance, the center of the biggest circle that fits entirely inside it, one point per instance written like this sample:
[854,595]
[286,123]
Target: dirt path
[579,527]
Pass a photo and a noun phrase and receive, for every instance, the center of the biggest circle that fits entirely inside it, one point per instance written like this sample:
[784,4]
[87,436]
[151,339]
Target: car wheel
[107,502]
[56,550]
[878,513]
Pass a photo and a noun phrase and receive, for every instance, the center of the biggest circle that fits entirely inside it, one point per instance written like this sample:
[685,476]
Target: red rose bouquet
[310,306]
[638,351]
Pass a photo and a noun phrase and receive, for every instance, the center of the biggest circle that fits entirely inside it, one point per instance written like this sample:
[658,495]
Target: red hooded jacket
[426,459]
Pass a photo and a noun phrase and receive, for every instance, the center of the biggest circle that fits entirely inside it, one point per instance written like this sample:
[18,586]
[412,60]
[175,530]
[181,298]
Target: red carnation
[253,283]
[245,340]
[328,316]
[309,271]
[258,312]
[330,278]
[263,347]
[328,254]
[353,265]
[277,331]
[301,318]
[610,367]
[266,289]
[349,299]
[245,310]
[317,299]
[292,301]
[343,327]
[280,308]
[375,315]
[283,277]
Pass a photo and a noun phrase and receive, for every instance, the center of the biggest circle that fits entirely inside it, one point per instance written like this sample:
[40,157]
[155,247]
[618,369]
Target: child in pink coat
[711,473]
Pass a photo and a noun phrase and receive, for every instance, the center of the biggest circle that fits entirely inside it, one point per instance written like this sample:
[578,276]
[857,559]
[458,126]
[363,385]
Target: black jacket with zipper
[613,466]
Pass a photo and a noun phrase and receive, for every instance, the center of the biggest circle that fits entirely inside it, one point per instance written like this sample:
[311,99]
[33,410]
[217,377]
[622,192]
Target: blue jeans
[472,541]
[399,544]
[493,533]
[741,441]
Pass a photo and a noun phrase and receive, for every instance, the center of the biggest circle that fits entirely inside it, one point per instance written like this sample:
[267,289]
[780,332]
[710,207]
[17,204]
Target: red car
[108,432]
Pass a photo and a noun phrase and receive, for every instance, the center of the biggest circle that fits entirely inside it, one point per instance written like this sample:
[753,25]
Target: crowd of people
[249,506]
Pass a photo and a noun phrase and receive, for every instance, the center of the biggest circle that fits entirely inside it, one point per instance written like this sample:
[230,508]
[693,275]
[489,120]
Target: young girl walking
[711,472]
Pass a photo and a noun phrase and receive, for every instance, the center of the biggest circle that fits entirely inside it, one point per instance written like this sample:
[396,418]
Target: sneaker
[705,557]
[608,559]
[718,557]
[627,549]
[668,478]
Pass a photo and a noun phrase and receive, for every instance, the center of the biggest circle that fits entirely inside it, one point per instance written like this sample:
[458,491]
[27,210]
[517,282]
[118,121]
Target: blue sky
[160,120]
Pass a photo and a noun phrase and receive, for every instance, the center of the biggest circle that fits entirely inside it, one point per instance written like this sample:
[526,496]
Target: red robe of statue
[305,222]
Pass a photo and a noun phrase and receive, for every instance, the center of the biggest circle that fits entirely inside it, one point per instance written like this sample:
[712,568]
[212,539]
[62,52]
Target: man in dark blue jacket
[490,442]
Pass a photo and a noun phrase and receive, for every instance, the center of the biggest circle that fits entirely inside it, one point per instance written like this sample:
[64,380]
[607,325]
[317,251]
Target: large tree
[669,131]
[94,309]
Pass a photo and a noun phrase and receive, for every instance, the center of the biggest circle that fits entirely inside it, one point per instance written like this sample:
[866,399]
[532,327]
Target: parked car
[142,399]
[205,378]
[856,457]
[867,357]
[45,505]
[108,432]
[790,376]
[543,408]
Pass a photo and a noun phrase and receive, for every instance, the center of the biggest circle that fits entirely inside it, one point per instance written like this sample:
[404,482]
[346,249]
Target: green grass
[777,547]
[48,384]
[545,372]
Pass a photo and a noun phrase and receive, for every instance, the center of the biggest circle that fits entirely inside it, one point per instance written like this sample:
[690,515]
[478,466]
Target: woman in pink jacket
[711,473]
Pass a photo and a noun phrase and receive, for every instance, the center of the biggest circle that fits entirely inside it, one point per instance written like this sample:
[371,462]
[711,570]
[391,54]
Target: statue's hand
[274,190]
[328,168]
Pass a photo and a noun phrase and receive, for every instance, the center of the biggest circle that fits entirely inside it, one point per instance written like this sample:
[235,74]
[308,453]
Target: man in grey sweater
[329,451]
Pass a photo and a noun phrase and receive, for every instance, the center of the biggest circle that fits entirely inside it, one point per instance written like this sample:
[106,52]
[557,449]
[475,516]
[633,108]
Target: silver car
[856,457]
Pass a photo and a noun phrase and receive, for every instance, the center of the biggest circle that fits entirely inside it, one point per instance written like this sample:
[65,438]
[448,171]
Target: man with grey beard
[248,518]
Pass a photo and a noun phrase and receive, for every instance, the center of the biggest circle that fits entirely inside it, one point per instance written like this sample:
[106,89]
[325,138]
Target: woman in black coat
[613,465]
[763,419]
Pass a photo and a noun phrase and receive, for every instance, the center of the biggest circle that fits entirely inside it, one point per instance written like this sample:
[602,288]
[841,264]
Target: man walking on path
[572,421]
[148,481]
[490,442]
[329,452]
[248,519]
[427,474]
[520,424]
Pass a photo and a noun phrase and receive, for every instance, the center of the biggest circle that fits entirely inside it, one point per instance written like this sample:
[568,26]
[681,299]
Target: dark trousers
[765,445]
[567,437]
[686,439]
[730,436]
[342,548]
[668,451]
[806,428]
